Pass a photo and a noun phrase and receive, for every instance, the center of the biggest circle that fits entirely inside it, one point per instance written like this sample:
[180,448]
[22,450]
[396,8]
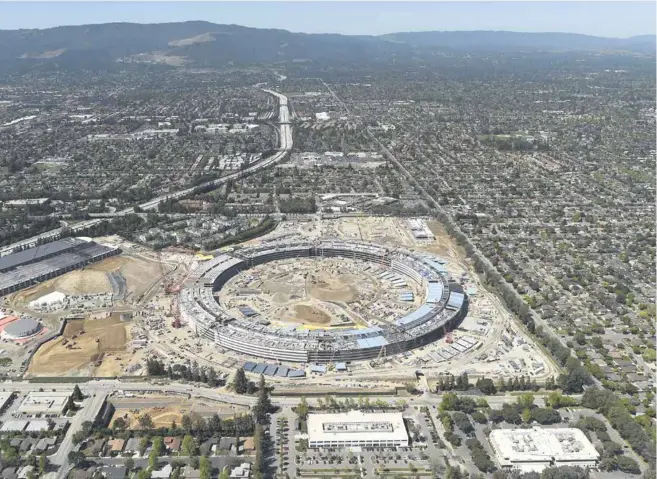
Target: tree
[152,459]
[129,464]
[145,421]
[224,474]
[205,467]
[303,408]
[557,400]
[486,386]
[526,401]
[144,474]
[187,423]
[158,446]
[188,446]
[120,423]
[77,394]
[76,458]
[43,464]
[263,405]
[240,383]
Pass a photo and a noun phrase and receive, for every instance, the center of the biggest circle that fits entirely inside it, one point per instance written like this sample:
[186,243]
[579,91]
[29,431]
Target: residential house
[163,473]
[172,443]
[114,472]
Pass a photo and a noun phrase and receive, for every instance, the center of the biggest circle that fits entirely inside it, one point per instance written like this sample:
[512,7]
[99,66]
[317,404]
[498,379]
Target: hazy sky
[610,19]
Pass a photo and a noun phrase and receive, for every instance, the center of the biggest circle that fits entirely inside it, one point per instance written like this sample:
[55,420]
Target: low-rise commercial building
[357,429]
[538,448]
[46,403]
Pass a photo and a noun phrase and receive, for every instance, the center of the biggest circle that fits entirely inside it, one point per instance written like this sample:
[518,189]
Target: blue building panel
[296,373]
[455,300]
[317,368]
[374,342]
[270,370]
[260,368]
[435,292]
[248,366]
[415,316]
[282,371]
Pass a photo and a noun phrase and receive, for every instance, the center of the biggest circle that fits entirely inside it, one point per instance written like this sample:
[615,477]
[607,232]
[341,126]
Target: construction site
[129,307]
[316,294]
[333,292]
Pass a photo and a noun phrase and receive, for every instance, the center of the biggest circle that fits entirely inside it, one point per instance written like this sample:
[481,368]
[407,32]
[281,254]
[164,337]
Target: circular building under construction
[442,308]
[21,328]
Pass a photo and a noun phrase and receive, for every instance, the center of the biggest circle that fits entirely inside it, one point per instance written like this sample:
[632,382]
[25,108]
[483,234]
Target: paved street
[98,391]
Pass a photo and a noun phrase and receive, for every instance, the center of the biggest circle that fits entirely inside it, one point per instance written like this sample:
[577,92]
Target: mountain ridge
[206,44]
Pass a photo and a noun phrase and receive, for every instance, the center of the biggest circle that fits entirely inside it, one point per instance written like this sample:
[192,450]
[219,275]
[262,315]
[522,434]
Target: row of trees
[609,405]
[576,376]
[261,411]
[450,382]
[238,426]
[264,227]
[611,457]
[296,204]
[155,367]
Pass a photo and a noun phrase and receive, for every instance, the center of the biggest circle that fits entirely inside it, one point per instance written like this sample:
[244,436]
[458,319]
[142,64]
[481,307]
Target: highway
[285,146]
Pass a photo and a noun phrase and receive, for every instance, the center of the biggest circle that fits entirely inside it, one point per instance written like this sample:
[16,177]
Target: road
[285,146]
[107,387]
[538,319]
[90,409]
[98,391]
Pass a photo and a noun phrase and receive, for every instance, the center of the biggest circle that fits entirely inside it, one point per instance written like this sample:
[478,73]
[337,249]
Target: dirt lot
[162,416]
[171,409]
[139,274]
[87,347]
[328,287]
[311,315]
[444,245]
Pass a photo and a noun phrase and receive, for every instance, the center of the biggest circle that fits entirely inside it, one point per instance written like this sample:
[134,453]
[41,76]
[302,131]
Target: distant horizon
[619,20]
[336,33]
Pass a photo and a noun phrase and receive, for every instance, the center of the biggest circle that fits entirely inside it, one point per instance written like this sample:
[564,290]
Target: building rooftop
[357,426]
[542,444]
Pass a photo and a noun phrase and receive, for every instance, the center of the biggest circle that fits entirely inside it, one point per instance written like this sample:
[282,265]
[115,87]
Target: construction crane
[170,288]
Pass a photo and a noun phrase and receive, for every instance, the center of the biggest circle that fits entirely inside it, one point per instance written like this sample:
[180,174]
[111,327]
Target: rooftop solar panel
[35,254]
[455,300]
[270,370]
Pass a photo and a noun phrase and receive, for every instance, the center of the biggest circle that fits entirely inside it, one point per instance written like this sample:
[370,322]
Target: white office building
[538,448]
[49,403]
[357,429]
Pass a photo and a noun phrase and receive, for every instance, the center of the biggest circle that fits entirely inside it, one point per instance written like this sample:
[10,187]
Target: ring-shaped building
[444,306]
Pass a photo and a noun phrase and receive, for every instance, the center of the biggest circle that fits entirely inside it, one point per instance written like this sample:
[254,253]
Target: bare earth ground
[171,409]
[311,315]
[161,416]
[139,274]
[82,351]
[328,287]
[444,245]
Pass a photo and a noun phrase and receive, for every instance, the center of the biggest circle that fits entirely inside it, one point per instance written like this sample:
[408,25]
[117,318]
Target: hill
[509,41]
[204,44]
